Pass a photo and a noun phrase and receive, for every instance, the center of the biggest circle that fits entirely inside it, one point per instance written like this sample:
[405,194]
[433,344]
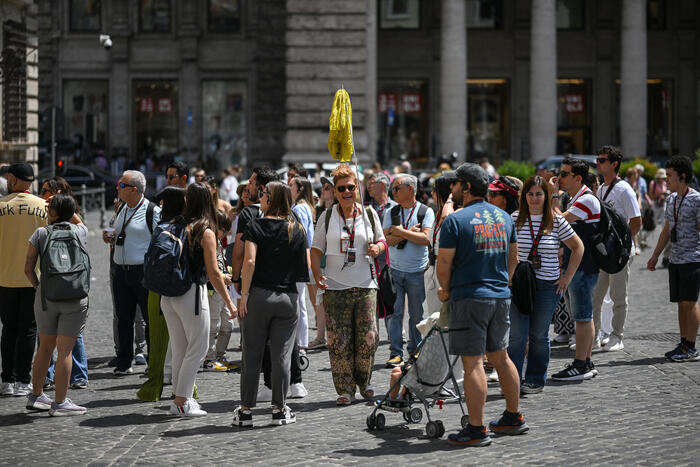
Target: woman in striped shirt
[540,231]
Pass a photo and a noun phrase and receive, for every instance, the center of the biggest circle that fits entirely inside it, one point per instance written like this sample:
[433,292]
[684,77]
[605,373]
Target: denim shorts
[479,325]
[581,295]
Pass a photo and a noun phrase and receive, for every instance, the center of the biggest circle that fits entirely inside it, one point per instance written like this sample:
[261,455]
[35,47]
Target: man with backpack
[407,228]
[133,227]
[623,199]
[583,214]
[21,213]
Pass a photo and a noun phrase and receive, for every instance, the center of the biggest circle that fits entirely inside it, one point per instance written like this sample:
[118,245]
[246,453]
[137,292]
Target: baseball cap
[23,171]
[500,185]
[475,175]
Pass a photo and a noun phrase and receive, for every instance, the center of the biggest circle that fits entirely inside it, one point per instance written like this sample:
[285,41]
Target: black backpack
[612,244]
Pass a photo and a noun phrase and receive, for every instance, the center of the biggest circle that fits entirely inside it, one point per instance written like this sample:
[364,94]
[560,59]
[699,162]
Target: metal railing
[91,199]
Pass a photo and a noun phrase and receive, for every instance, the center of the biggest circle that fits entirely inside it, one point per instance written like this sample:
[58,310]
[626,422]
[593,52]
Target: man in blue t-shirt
[476,260]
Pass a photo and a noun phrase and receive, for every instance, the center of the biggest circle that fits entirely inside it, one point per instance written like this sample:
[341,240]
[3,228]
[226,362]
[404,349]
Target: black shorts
[684,282]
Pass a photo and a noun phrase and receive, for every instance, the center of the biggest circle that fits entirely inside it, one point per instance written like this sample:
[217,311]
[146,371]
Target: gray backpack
[65,265]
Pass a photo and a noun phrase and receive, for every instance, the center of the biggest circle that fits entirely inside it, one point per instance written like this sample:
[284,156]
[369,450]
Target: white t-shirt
[356,274]
[623,198]
[548,248]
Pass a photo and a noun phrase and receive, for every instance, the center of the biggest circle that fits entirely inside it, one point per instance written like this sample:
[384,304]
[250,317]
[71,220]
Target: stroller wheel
[416,415]
[381,421]
[406,417]
[441,433]
[432,429]
[303,362]
[371,422]
[464,421]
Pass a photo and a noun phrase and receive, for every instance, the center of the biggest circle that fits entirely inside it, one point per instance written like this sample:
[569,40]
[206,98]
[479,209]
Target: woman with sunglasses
[275,260]
[350,240]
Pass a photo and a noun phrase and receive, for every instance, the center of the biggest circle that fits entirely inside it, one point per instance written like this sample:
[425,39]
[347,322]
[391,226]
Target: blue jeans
[409,284]
[581,296]
[80,363]
[534,329]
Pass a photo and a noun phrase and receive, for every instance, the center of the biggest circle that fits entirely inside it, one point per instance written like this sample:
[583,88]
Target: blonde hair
[343,171]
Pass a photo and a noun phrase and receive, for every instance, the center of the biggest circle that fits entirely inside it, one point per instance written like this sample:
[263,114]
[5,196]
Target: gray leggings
[272,316]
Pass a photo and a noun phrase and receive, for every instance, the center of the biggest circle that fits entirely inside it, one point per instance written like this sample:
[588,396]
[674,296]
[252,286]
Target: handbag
[525,281]
[386,294]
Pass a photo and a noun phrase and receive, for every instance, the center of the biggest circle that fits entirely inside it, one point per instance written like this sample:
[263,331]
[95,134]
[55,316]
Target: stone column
[543,80]
[633,78]
[453,79]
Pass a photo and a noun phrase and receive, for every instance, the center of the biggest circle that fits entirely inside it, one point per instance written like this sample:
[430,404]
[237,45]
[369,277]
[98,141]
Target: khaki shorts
[64,318]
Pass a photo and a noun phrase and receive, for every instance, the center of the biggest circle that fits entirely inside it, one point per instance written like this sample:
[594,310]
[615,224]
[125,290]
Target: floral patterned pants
[351,330]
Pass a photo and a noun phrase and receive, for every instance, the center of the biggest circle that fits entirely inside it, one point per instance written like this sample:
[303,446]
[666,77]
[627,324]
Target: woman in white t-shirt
[540,231]
[350,241]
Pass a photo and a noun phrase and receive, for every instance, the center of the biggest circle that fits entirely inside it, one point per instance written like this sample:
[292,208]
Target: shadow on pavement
[123,387]
[110,403]
[400,440]
[639,362]
[15,419]
[215,429]
[129,419]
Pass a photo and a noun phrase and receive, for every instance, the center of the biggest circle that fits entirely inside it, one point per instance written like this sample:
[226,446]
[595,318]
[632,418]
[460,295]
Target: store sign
[411,103]
[574,103]
[387,101]
[165,105]
[146,105]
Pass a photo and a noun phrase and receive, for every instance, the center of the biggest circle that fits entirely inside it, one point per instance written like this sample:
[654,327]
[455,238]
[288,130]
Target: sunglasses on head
[349,187]
[125,185]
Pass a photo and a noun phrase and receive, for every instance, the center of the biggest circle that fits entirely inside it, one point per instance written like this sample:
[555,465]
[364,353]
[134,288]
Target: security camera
[105,41]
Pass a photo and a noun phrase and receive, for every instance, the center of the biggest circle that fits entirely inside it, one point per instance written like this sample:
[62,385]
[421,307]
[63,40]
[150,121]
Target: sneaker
[674,351]
[79,384]
[49,385]
[509,424]
[65,409]
[190,409]
[139,359]
[492,376]
[242,417]
[7,389]
[685,354]
[604,338]
[264,394]
[41,402]
[573,372]
[597,347]
[394,361]
[232,367]
[123,372]
[572,342]
[297,391]
[283,416]
[529,388]
[470,436]
[591,367]
[23,389]
[167,380]
[614,344]
[210,365]
[562,338]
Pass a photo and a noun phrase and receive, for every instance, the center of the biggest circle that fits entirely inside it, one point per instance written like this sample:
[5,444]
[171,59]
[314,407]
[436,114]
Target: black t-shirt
[247,214]
[279,262]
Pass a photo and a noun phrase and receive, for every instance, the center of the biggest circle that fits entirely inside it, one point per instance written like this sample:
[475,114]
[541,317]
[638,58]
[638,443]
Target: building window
[85,15]
[488,119]
[484,14]
[14,82]
[399,14]
[224,16]
[574,116]
[85,108]
[403,121]
[571,14]
[224,123]
[155,118]
[154,15]
[656,14]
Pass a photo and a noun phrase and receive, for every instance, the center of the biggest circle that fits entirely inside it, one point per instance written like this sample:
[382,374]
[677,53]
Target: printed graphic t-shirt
[20,215]
[481,235]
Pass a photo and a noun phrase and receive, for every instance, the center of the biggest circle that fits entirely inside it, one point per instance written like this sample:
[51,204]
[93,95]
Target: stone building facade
[18,81]
[236,81]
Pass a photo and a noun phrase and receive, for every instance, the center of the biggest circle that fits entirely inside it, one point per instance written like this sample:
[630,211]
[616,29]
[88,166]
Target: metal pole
[102,206]
[53,141]
[83,203]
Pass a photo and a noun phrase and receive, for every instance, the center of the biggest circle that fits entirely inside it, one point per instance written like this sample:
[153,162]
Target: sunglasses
[171,176]
[564,174]
[602,160]
[396,188]
[349,187]
[124,185]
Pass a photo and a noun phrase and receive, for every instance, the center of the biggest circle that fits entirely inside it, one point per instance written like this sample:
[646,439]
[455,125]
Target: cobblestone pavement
[641,409]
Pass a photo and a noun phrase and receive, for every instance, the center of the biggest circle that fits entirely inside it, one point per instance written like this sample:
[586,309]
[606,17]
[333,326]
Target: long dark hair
[279,200]
[173,199]
[199,214]
[306,194]
[64,206]
[60,185]
[524,211]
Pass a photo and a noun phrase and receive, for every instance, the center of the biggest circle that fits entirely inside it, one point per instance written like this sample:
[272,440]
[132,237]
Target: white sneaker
[596,345]
[562,338]
[22,389]
[283,416]
[140,359]
[7,389]
[297,391]
[572,342]
[492,376]
[604,338]
[167,379]
[40,402]
[614,344]
[264,394]
[190,409]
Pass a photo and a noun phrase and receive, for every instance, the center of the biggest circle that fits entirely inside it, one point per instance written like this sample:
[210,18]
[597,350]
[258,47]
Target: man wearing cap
[21,213]
[476,260]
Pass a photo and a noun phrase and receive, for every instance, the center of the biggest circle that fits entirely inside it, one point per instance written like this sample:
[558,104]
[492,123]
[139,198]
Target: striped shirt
[585,206]
[548,248]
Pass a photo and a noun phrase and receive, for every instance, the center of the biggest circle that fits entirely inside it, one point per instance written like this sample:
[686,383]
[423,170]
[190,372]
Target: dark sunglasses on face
[171,176]
[564,174]
[602,160]
[124,185]
[349,187]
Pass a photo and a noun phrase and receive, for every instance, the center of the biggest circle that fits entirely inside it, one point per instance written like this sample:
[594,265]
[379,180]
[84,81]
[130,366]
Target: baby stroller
[424,377]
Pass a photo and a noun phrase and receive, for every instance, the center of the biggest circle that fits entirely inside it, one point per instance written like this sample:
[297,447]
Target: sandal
[343,400]
[317,344]
[367,392]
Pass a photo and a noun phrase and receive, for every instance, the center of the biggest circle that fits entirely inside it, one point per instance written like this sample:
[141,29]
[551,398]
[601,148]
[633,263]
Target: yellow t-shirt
[20,215]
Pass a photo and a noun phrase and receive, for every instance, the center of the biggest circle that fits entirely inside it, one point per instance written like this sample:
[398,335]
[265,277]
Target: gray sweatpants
[272,316]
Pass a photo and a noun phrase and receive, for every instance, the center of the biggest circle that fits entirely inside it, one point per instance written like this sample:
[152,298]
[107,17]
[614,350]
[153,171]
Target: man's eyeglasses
[349,187]
[602,160]
[124,185]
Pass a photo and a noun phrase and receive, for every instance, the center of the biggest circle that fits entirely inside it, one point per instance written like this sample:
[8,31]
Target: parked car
[553,163]
[91,177]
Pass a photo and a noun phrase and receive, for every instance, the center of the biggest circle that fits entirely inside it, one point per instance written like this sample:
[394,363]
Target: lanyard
[436,231]
[610,187]
[404,222]
[535,240]
[350,233]
[132,215]
[680,205]
[381,209]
